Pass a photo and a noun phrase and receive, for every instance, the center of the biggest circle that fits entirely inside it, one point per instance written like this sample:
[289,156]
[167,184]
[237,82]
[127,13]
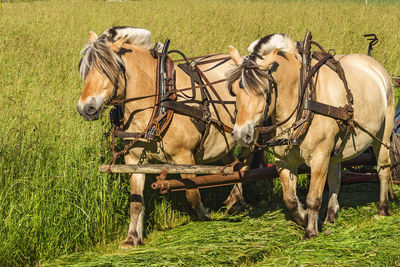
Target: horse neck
[218,73]
[287,78]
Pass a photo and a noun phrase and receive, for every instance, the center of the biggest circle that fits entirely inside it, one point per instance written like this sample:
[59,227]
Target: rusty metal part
[215,180]
[161,179]
[247,176]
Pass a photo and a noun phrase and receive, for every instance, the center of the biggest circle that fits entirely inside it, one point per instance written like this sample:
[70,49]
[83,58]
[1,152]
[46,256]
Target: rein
[126,100]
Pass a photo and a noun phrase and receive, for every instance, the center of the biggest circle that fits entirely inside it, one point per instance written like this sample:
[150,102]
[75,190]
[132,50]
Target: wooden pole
[171,169]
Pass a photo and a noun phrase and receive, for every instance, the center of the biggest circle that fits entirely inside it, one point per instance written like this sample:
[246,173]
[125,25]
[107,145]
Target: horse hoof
[310,234]
[206,217]
[237,208]
[330,220]
[383,209]
[330,216]
[131,243]
[383,212]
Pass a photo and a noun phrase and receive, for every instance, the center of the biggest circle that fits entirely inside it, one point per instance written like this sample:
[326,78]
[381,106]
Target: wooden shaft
[171,169]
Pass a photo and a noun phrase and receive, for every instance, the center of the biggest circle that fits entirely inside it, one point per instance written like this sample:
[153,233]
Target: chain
[275,139]
[127,147]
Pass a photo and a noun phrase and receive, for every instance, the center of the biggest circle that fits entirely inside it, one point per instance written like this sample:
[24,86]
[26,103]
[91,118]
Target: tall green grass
[53,201]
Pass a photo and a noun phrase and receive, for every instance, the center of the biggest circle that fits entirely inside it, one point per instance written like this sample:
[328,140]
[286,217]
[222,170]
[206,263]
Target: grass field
[53,201]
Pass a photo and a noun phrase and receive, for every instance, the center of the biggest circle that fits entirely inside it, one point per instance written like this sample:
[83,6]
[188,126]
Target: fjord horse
[275,58]
[102,65]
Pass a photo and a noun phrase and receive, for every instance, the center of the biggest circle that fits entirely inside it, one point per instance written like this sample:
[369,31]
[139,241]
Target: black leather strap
[135,198]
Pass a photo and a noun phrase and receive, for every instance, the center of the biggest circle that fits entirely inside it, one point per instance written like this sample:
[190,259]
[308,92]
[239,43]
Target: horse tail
[395,156]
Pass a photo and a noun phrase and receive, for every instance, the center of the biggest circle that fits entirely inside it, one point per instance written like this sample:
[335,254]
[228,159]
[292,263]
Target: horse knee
[314,203]
[291,202]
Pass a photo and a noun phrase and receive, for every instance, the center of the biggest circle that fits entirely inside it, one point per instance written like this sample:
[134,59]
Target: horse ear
[269,60]
[116,46]
[92,37]
[235,55]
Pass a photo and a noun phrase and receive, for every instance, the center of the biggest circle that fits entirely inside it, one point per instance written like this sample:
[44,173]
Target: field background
[56,208]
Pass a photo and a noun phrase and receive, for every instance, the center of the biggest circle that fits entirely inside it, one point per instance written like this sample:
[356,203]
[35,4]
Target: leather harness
[166,103]
[307,106]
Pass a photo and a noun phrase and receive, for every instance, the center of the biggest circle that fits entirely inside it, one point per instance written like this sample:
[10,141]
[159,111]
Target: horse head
[254,84]
[103,69]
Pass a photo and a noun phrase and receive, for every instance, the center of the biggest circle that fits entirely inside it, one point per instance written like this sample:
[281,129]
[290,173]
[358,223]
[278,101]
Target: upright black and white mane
[267,44]
[253,79]
[137,36]
[99,54]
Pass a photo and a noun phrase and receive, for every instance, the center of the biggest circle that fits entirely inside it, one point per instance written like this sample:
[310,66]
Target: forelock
[100,56]
[253,79]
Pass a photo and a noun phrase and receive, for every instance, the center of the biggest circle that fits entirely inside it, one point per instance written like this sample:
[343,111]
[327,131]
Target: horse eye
[241,84]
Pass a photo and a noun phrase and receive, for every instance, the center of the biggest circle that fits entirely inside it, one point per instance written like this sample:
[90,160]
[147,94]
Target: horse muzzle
[89,111]
[244,135]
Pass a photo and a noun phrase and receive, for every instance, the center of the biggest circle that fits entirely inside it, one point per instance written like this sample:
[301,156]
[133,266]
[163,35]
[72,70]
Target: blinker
[241,84]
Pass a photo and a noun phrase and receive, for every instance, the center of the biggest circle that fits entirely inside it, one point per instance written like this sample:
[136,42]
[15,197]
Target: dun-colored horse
[102,65]
[275,58]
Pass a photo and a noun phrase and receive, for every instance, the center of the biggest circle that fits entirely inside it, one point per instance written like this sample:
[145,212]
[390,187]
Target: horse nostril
[248,138]
[90,110]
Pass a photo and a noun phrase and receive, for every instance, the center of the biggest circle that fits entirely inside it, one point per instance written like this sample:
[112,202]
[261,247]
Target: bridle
[250,61]
[116,82]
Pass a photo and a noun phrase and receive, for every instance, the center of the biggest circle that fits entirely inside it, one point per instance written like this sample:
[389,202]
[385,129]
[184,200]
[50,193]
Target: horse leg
[194,198]
[334,176]
[235,201]
[192,195]
[319,170]
[136,206]
[289,179]
[383,168]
